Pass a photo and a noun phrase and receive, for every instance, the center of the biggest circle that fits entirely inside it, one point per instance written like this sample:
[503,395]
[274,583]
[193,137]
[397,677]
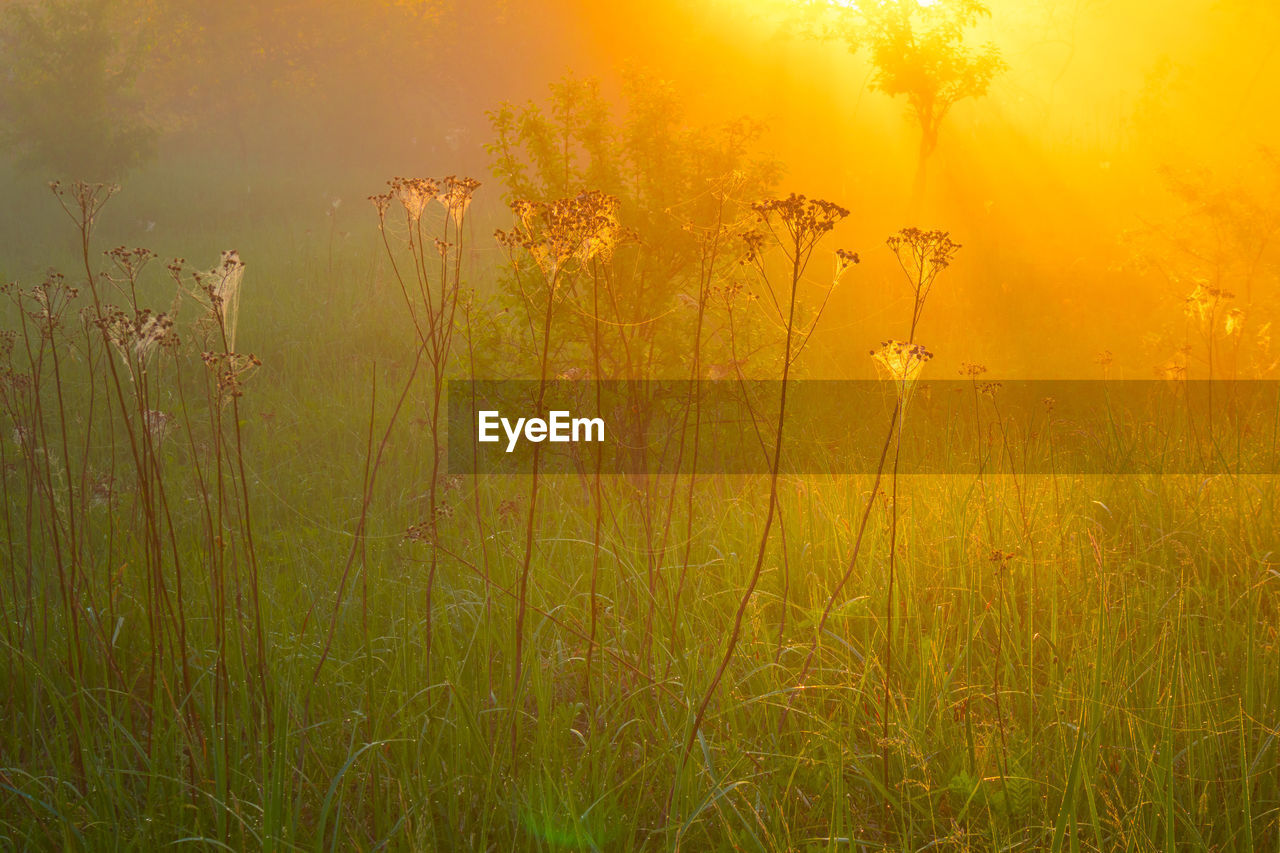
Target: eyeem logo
[558,426]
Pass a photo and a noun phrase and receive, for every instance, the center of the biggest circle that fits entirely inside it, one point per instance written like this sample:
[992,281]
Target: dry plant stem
[404,290]
[530,519]
[888,621]
[797,269]
[45,479]
[89,201]
[357,544]
[974,581]
[441,336]
[630,369]
[596,484]
[13,634]
[849,569]
[921,285]
[433,313]
[260,640]
[221,722]
[475,500]
[693,405]
[786,588]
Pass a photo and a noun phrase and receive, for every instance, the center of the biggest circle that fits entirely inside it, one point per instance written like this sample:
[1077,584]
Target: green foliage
[1008,800]
[674,183]
[68,102]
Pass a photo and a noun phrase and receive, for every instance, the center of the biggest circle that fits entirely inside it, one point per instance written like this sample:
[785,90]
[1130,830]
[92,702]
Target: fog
[1117,160]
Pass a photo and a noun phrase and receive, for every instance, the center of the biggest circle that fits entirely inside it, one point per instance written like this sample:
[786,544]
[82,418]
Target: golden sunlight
[591,487]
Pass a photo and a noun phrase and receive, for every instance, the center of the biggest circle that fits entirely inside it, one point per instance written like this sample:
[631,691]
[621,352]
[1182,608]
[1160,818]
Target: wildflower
[52,298]
[87,199]
[753,243]
[230,370]
[844,260]
[456,196]
[903,363]
[414,194]
[152,331]
[224,292]
[922,256]
[555,233]
[803,220]
[381,202]
[1204,301]
[130,261]
[419,532]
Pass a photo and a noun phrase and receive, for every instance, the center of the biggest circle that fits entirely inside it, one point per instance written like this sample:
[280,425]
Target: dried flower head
[381,202]
[414,194]
[753,245]
[217,289]
[230,370]
[129,262]
[456,196]
[902,362]
[555,233]
[1204,301]
[922,255]
[84,200]
[51,298]
[844,260]
[138,336]
[797,222]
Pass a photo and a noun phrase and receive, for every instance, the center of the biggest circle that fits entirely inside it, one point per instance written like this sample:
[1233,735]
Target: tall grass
[247,606]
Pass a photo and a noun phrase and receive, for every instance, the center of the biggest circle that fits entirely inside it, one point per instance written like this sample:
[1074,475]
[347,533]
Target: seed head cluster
[556,233]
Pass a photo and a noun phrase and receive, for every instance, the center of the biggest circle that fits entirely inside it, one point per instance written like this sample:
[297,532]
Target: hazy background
[1118,161]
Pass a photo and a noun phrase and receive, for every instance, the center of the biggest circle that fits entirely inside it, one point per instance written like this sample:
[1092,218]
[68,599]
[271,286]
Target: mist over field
[932,347]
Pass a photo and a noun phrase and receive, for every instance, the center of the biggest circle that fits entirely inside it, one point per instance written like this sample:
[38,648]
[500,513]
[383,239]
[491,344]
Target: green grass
[1131,631]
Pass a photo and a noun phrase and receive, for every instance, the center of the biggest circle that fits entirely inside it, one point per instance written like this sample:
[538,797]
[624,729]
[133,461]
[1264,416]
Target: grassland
[278,626]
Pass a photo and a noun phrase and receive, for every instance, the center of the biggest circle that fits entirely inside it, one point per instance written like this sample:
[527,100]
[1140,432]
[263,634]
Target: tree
[919,51]
[673,182]
[67,99]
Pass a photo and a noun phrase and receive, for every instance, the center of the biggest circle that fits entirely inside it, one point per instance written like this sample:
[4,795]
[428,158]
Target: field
[255,622]
[827,584]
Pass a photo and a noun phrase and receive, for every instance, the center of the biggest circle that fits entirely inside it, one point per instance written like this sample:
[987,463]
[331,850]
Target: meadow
[248,604]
